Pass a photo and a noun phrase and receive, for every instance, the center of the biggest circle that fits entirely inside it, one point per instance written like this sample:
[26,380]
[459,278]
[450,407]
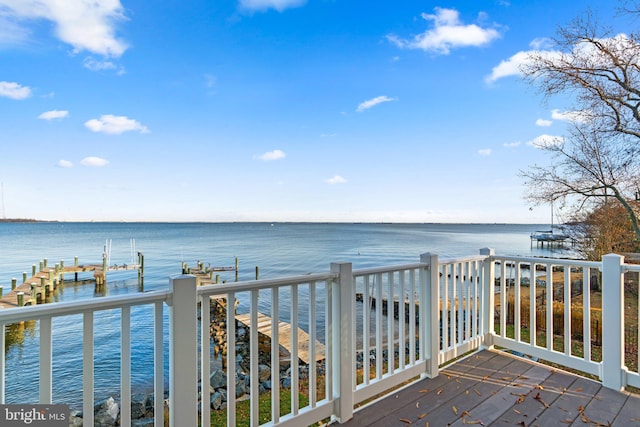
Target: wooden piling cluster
[45,280]
[206,274]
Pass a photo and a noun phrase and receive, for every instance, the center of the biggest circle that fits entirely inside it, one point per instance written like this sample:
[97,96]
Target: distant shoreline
[28,220]
[22,220]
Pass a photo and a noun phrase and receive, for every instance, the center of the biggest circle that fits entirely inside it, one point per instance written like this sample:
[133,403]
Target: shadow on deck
[493,388]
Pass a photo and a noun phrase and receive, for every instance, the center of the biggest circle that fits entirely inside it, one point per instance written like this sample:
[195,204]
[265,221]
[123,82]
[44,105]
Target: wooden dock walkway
[492,388]
[45,280]
[284,333]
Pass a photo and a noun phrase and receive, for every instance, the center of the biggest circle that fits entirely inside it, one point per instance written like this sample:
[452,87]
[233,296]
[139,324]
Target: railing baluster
[366,326]
[312,346]
[295,372]
[401,321]
[533,304]
[517,306]
[567,310]
[46,356]
[255,356]
[158,364]
[275,357]
[379,339]
[205,360]
[125,366]
[231,359]
[328,339]
[504,309]
[586,312]
[390,324]
[412,317]
[549,290]
[87,368]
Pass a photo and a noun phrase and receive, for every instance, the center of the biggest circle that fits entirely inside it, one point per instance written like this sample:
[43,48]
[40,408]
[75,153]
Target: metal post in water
[257,272]
[14,283]
[75,262]
[33,270]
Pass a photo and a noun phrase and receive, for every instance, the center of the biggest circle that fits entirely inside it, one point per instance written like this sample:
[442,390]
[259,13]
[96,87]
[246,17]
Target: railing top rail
[378,270]
[217,289]
[553,261]
[387,269]
[463,259]
[11,315]
[631,267]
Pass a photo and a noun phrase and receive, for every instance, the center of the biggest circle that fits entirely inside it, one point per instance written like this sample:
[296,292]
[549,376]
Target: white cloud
[509,67]
[512,144]
[543,123]
[85,25]
[373,102]
[14,90]
[448,33]
[485,152]
[93,64]
[53,114]
[337,179]
[570,116]
[272,155]
[262,5]
[65,164]
[94,161]
[114,125]
[544,141]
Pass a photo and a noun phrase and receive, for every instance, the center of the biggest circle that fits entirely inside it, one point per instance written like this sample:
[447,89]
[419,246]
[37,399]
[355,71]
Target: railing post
[183,352]
[343,307]
[431,320]
[488,297]
[612,321]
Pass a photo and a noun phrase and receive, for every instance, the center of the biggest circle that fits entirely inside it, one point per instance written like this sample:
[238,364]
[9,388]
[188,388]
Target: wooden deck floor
[492,388]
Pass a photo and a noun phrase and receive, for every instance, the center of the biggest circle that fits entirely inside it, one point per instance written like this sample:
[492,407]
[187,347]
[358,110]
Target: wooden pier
[44,280]
[205,274]
[284,335]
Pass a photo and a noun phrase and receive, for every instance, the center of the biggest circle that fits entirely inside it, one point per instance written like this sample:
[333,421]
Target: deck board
[499,389]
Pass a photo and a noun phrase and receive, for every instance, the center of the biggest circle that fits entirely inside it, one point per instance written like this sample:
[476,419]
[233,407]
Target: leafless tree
[599,157]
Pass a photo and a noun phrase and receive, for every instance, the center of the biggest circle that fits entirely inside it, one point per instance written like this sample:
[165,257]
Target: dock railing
[380,327]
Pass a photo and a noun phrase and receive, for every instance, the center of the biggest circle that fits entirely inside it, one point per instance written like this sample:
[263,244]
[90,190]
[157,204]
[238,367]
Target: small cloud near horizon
[94,161]
[53,114]
[272,155]
[512,144]
[373,102]
[485,152]
[14,90]
[65,164]
[114,125]
[337,179]
[543,123]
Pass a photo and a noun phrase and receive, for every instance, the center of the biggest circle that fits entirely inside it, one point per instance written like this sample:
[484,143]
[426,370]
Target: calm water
[278,249]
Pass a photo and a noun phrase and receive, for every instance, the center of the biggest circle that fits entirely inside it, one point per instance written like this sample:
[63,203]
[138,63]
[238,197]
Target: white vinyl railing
[367,331]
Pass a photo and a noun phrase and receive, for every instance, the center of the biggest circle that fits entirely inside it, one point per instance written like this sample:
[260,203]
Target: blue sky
[274,110]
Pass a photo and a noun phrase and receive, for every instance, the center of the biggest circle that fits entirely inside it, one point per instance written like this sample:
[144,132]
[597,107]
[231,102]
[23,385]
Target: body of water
[278,249]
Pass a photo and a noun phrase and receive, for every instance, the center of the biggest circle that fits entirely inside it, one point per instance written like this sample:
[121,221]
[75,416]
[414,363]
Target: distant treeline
[18,220]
